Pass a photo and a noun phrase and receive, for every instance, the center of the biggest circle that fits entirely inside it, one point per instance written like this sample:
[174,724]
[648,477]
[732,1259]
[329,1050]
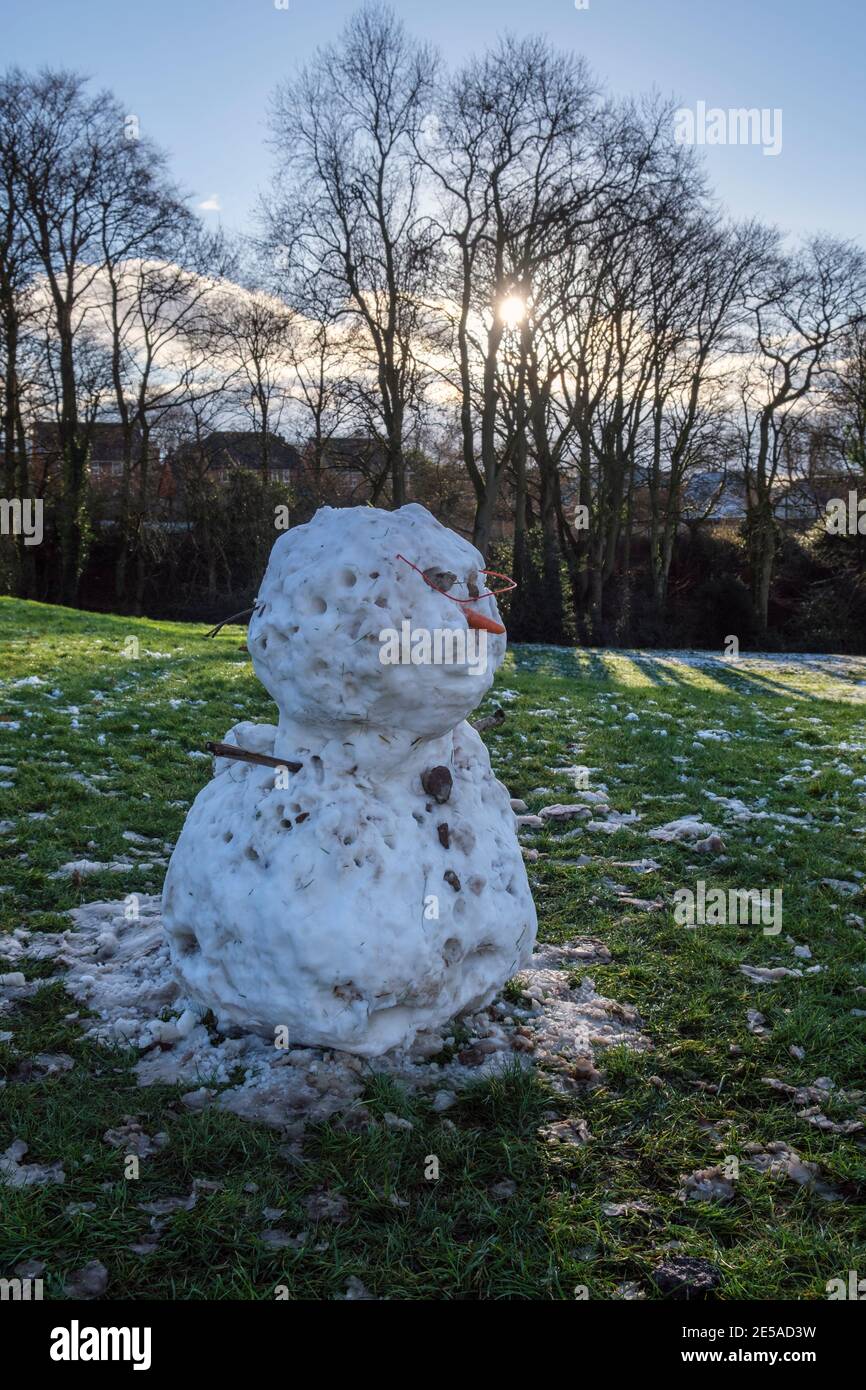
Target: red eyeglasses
[491,593]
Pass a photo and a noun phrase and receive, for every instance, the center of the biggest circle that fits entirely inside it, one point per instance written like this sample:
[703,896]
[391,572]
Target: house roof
[722,491]
[808,497]
[352,451]
[106,438]
[243,448]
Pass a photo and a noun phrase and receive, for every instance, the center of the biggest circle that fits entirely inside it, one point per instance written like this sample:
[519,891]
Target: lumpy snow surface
[345,903]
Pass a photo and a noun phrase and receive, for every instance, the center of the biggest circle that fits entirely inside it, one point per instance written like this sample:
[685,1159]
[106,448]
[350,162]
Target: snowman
[360,879]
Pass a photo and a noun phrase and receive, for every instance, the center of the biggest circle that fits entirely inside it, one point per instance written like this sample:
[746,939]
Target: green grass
[403,1235]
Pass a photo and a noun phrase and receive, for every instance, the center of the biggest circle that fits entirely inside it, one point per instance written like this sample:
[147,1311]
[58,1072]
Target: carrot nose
[483,624]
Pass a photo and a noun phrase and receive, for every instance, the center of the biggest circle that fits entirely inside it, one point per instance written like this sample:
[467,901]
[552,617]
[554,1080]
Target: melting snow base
[120,970]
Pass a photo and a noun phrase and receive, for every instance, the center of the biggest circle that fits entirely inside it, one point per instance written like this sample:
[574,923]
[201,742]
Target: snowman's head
[356,623]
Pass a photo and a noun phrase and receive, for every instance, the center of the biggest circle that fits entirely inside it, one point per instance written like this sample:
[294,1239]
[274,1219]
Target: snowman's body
[344,903]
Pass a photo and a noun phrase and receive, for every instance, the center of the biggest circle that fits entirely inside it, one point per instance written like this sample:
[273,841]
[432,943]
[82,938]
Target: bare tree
[512,158]
[17,265]
[847,393]
[801,314]
[160,312]
[257,331]
[346,202]
[702,279]
[318,353]
[590,361]
[85,191]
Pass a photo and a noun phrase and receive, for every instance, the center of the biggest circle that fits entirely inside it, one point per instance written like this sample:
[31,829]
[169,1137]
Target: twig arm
[490,721]
[243,755]
[245,613]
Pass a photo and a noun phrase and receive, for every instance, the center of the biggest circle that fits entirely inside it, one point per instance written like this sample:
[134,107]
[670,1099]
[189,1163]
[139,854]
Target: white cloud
[211,204]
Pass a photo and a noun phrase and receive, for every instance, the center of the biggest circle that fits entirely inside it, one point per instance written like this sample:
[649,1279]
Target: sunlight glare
[512,310]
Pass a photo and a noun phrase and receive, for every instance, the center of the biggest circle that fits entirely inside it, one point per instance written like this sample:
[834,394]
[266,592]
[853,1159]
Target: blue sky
[198,73]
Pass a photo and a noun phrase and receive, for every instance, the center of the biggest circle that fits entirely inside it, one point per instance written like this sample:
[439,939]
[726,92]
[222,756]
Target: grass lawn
[102,746]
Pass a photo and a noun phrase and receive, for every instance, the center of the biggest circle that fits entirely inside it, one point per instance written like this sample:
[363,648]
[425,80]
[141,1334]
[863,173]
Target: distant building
[216,458]
[343,471]
[225,450]
[106,461]
[720,496]
[106,452]
[804,501]
[716,495]
[356,459]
